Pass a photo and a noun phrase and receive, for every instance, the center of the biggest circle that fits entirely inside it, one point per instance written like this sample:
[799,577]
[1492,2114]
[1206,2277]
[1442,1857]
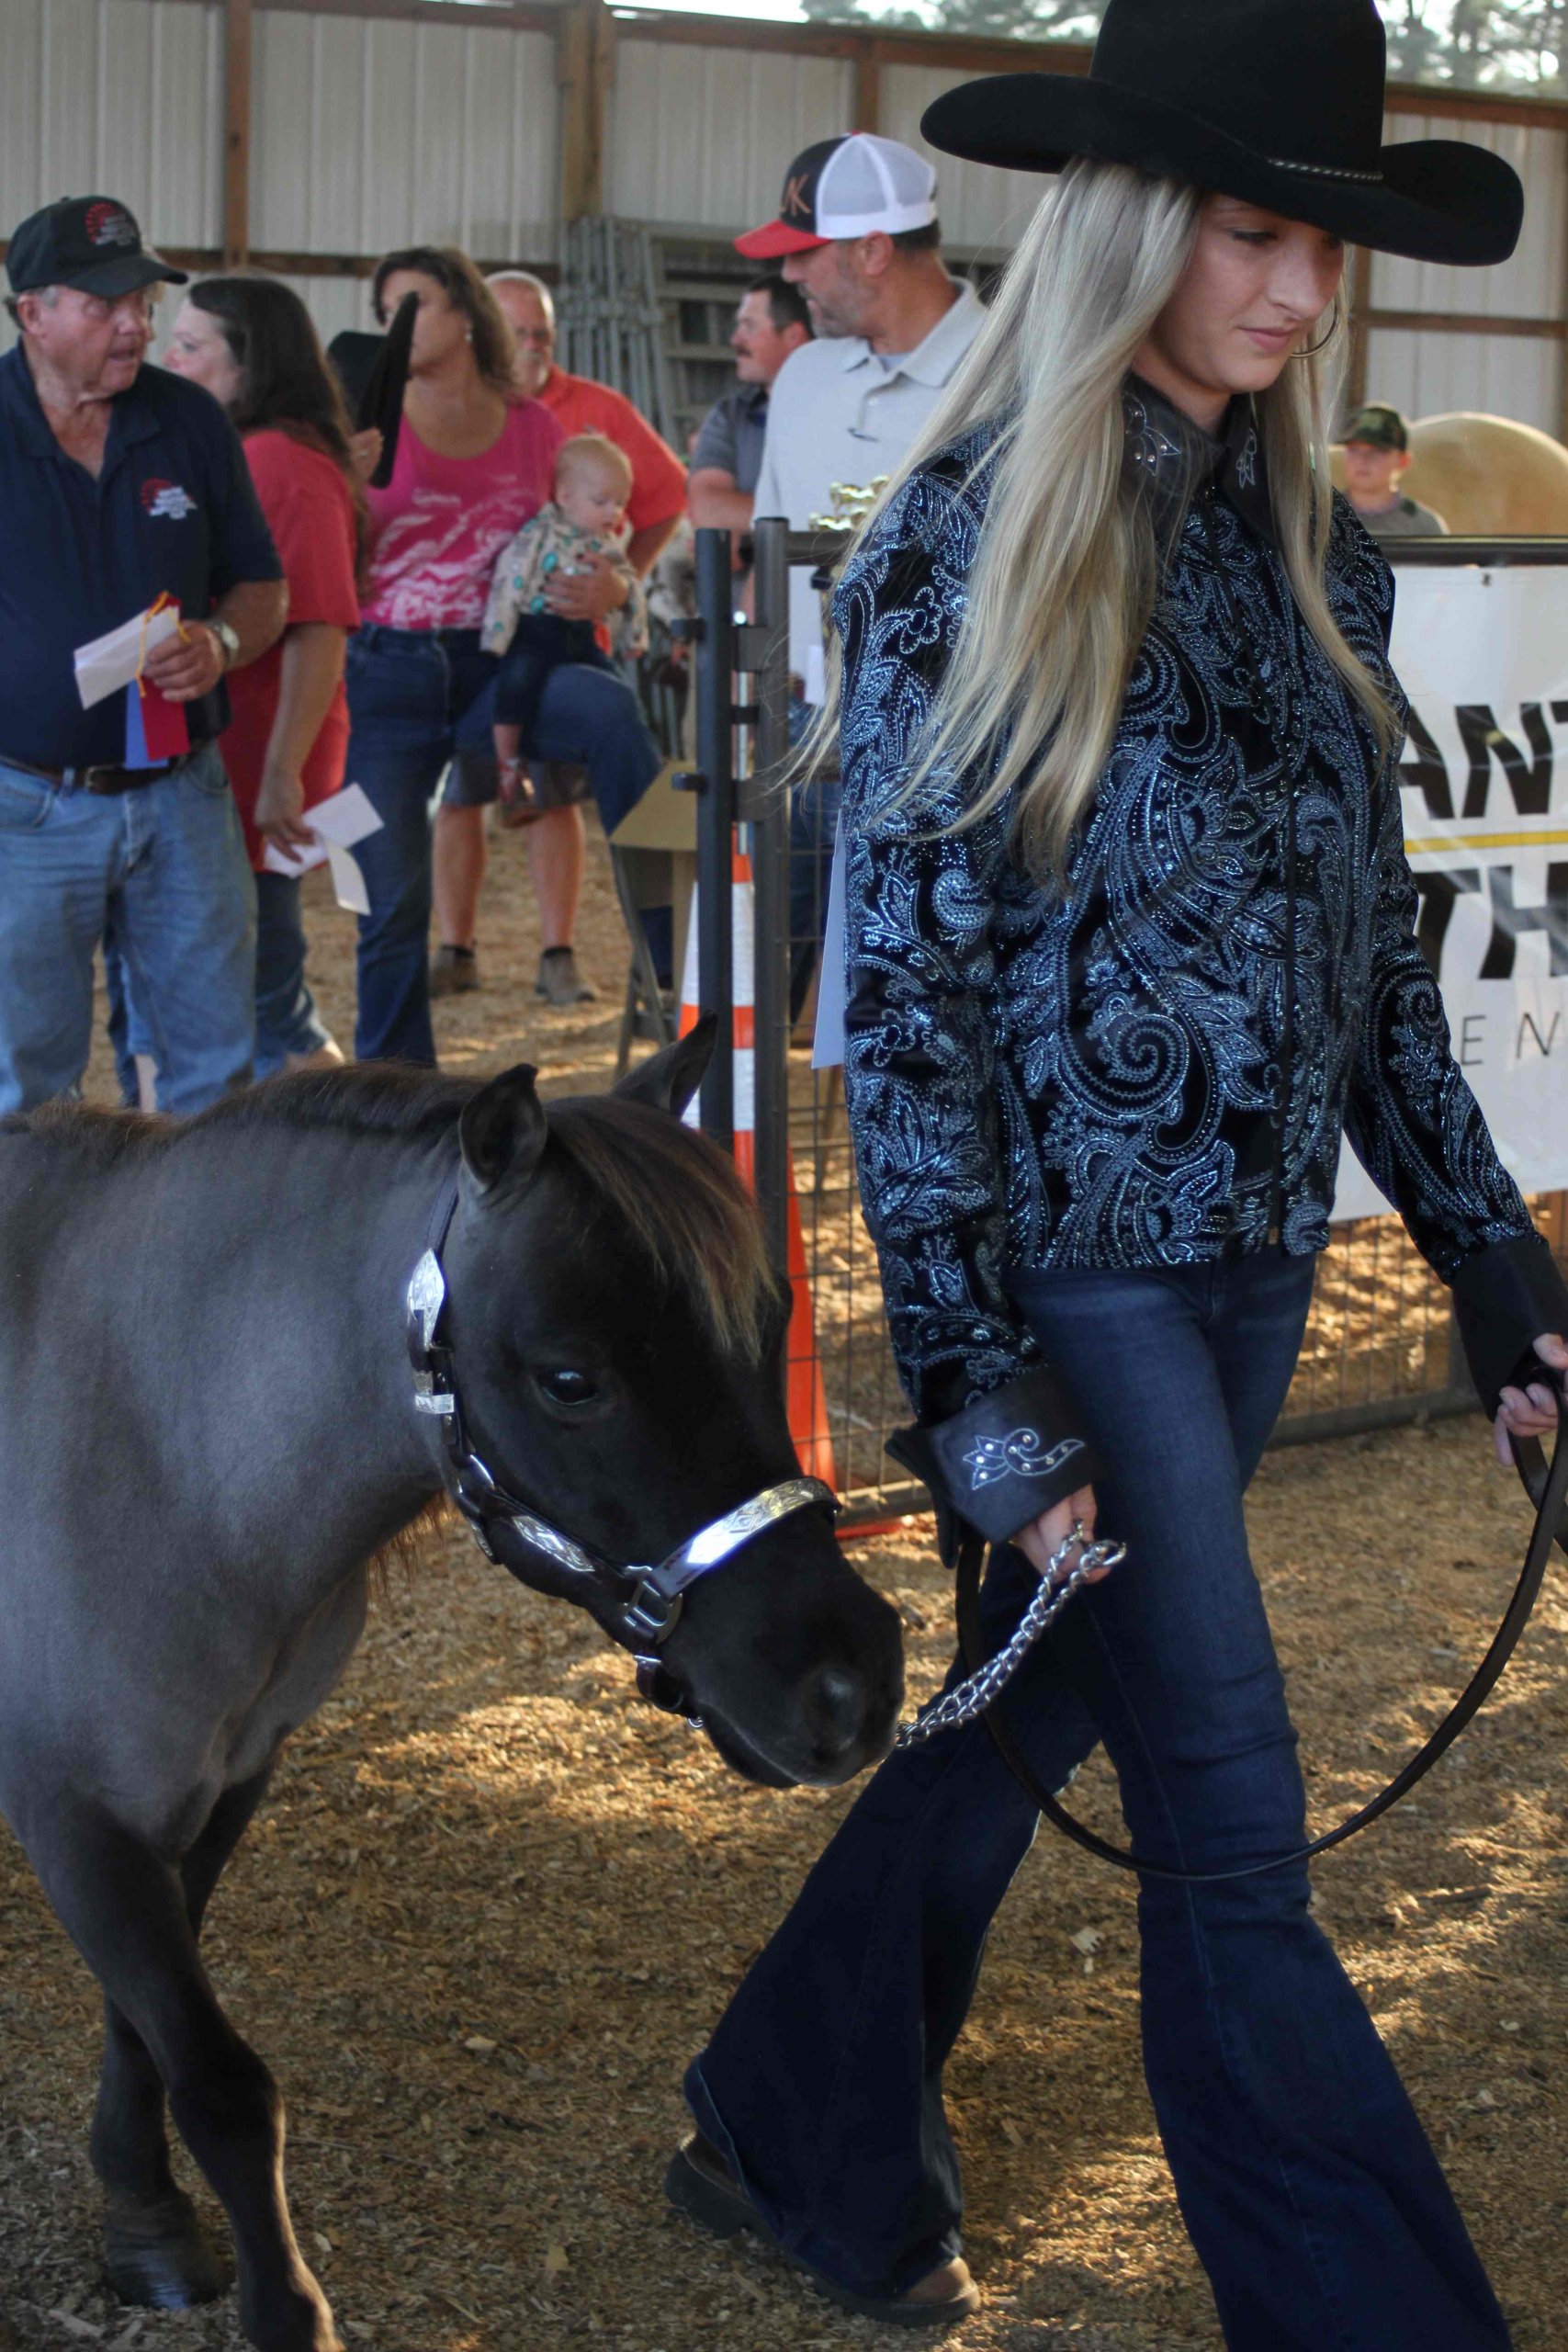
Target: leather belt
[105,780]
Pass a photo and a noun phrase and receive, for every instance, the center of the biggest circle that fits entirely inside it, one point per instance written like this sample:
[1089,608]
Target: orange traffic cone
[805,1395]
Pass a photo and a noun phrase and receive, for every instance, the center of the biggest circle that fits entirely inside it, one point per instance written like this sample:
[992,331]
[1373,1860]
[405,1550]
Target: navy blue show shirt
[173,510]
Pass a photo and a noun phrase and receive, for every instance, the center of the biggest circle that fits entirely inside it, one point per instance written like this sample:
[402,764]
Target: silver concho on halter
[975,1693]
[427,1297]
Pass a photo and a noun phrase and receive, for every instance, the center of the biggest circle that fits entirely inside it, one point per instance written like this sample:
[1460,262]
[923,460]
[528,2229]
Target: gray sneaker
[561,982]
[454,971]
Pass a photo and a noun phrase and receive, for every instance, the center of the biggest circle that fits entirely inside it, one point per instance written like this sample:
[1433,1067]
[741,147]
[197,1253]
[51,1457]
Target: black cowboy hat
[1278,102]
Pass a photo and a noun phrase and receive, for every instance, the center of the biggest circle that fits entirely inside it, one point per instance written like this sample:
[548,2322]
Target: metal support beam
[768,807]
[716,827]
[1361,328]
[236,133]
[868,88]
[585,67]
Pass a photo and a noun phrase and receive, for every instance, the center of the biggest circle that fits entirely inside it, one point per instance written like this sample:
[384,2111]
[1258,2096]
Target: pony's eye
[563,1387]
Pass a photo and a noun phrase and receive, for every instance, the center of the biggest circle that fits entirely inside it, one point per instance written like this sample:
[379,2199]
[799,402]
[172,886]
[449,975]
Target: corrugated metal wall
[1507,375]
[980,207]
[125,95]
[369,133]
[701,137]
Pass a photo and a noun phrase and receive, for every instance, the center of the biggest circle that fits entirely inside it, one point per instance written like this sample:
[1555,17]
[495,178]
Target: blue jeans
[587,717]
[287,1019]
[416,697]
[407,690]
[166,866]
[1310,2192]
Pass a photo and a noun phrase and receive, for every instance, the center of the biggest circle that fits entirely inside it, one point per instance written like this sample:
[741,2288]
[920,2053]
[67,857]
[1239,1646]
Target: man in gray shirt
[1377,451]
[772,321]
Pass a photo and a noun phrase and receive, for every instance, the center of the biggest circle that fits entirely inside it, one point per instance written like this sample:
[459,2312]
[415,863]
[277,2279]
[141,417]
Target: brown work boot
[454,971]
[561,982]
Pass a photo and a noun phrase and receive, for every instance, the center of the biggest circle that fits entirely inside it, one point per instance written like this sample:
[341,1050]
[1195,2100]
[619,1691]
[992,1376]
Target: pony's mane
[677,1192]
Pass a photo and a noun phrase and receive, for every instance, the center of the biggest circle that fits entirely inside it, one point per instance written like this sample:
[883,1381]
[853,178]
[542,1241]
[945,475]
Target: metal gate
[1381,1345]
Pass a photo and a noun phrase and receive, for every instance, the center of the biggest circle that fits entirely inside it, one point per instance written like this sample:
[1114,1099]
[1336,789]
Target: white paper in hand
[339,822]
[108,664]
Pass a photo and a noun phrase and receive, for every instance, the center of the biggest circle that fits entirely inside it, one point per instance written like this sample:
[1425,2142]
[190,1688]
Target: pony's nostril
[835,1707]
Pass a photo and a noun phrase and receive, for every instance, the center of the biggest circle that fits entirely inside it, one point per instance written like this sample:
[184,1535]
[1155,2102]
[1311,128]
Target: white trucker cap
[846,187]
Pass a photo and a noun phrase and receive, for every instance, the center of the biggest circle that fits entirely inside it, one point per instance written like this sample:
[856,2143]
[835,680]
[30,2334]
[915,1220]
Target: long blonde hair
[1065,573]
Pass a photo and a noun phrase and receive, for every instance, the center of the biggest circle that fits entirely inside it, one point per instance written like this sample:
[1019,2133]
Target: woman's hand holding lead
[1532,1411]
[1051,1530]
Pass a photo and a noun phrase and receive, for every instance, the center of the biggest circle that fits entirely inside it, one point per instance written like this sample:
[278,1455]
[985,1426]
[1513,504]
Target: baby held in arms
[584,516]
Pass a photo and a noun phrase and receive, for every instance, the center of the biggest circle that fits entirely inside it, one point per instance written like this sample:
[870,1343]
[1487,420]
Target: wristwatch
[229,638]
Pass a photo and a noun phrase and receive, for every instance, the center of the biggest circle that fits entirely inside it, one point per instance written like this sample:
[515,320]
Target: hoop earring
[1334,324]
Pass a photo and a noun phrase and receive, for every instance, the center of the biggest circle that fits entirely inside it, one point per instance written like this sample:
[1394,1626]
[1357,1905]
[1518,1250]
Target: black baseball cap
[90,242]
[1379,426]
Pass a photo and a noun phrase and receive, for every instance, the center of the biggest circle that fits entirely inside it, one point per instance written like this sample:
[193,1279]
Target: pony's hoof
[159,2256]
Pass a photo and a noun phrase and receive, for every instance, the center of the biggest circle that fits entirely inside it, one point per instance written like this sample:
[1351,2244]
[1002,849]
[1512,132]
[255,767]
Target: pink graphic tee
[441,522]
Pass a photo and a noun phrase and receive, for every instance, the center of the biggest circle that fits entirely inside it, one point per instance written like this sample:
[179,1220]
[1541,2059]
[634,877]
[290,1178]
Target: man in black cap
[1377,451]
[118,486]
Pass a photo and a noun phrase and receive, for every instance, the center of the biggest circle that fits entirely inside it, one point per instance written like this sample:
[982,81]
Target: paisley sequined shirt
[1154,1065]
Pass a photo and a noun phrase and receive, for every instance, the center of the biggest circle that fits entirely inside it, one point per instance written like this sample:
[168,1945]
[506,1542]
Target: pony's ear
[503,1130]
[668,1080]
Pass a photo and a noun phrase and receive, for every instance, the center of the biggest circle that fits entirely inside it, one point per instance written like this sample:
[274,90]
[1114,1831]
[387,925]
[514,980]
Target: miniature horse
[208,1425]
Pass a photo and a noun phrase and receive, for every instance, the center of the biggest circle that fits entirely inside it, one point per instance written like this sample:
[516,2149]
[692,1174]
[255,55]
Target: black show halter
[645,1601]
[1546,1488]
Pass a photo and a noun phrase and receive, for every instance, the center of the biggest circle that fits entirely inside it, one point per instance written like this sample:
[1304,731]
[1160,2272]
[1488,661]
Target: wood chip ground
[495,1903]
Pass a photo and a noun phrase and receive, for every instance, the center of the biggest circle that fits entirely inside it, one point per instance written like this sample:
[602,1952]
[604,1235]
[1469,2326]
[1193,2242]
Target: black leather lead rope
[1547,1489]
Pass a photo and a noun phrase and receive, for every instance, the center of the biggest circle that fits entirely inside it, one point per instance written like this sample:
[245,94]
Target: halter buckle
[649,1615]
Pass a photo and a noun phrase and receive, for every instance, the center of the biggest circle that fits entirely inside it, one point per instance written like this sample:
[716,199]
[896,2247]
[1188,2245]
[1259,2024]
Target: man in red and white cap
[857,232]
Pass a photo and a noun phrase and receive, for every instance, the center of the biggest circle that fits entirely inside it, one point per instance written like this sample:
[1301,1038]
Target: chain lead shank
[971,1697]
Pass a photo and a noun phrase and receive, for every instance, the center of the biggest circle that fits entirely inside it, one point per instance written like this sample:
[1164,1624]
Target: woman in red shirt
[250,340]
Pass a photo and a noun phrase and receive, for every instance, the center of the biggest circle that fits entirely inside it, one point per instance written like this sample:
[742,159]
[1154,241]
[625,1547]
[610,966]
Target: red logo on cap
[110,224]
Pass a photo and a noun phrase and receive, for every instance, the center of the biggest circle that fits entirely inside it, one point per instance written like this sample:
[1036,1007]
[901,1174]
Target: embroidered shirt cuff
[1004,1459]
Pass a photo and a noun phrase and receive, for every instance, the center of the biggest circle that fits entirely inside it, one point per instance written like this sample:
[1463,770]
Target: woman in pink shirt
[473,464]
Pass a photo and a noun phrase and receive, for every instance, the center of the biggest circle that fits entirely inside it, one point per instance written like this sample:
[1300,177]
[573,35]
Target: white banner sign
[1483,657]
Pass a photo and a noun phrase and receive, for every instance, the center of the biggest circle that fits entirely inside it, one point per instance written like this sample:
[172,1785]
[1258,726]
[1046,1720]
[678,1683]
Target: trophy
[851,505]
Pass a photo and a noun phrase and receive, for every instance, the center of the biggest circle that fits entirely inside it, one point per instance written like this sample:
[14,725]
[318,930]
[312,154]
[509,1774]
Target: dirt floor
[494,1905]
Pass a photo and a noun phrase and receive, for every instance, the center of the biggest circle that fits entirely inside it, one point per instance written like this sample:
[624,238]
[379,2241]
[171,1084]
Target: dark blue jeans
[408,689]
[416,697]
[1308,2187]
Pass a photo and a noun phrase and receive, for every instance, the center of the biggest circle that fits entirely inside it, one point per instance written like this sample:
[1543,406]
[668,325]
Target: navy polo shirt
[174,509]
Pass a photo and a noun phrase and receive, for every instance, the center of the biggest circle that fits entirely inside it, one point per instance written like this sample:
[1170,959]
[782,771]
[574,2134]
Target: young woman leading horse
[238,1354]
[1129,943]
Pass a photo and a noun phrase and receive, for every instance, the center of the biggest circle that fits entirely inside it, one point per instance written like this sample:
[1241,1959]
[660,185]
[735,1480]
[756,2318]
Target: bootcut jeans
[1311,2195]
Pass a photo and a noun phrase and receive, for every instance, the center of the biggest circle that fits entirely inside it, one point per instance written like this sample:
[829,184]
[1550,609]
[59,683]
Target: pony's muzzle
[836,1709]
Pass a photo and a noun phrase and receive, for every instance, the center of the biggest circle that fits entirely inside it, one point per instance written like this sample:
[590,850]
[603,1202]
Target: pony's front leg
[126,1911]
[156,2250]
